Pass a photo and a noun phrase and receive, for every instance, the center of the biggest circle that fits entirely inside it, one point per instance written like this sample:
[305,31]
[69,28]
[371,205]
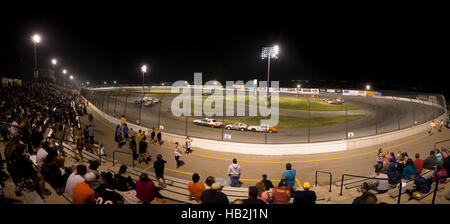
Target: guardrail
[374,178]
[331,177]
[448,140]
[118,151]
[436,188]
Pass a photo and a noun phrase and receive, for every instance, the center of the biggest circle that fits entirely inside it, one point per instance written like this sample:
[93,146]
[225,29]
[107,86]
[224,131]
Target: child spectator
[266,182]
[195,188]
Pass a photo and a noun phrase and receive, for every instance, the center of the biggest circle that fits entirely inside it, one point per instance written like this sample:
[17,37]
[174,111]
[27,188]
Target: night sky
[98,43]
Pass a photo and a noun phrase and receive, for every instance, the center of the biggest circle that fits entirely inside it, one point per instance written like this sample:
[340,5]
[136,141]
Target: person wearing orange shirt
[82,191]
[195,188]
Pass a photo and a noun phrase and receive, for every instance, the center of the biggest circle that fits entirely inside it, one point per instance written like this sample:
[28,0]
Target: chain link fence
[304,118]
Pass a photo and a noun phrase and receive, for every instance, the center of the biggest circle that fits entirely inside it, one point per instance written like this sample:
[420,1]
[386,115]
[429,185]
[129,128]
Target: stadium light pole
[269,52]
[367,87]
[36,38]
[144,70]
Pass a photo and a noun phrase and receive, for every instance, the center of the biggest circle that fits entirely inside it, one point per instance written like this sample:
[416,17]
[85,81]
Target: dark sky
[98,43]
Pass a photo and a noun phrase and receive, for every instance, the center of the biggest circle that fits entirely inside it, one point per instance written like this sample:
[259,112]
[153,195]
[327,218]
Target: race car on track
[334,101]
[151,102]
[145,100]
[237,126]
[209,122]
[262,128]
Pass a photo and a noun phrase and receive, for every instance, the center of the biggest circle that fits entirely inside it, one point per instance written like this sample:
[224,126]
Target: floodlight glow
[144,68]
[255,81]
[115,82]
[104,82]
[64,71]
[298,86]
[54,61]
[272,51]
[36,38]
[71,77]
[87,83]
[368,87]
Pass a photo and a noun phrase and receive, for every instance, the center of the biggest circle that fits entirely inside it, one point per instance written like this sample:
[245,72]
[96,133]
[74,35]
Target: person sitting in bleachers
[379,186]
[393,173]
[263,194]
[214,195]
[440,174]
[266,182]
[253,197]
[365,192]
[430,161]
[409,170]
[195,188]
[145,189]
[75,178]
[82,192]
[305,197]
[123,181]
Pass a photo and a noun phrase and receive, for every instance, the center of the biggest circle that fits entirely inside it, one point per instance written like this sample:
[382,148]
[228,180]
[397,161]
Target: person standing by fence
[432,126]
[234,172]
[178,155]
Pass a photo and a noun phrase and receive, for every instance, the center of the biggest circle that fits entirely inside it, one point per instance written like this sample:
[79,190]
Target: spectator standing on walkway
[432,126]
[125,131]
[123,120]
[419,163]
[82,191]
[195,188]
[178,155]
[214,196]
[145,189]
[290,176]
[152,135]
[90,131]
[379,159]
[133,147]
[138,138]
[266,182]
[158,136]
[41,155]
[305,197]
[188,145]
[234,172]
[430,161]
[158,165]
[143,151]
[119,137]
[281,194]
[441,124]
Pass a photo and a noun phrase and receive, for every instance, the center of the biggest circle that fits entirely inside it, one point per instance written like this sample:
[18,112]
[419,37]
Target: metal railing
[374,178]
[448,140]
[436,188]
[331,177]
[118,151]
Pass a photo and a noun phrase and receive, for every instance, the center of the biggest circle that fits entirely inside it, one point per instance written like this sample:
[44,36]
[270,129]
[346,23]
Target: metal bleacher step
[32,197]
[232,190]
[350,181]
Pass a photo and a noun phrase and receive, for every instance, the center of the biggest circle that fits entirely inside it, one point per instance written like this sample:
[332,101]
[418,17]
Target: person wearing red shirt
[419,164]
[145,189]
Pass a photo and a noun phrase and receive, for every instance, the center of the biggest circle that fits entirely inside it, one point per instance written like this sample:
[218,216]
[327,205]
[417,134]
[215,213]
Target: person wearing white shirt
[75,178]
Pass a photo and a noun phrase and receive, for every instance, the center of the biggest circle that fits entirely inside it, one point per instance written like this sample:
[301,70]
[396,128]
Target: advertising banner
[331,91]
[283,90]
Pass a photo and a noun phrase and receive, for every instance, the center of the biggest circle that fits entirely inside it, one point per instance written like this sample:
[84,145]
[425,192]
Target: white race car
[237,126]
[151,102]
[209,122]
[262,128]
